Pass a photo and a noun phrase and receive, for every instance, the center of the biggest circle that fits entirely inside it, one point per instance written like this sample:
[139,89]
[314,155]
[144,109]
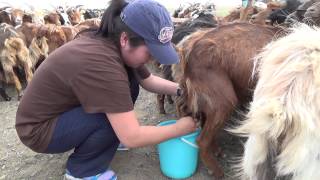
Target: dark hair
[112,26]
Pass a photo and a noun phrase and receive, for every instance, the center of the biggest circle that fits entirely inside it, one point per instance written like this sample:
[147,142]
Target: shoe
[122,147]
[107,175]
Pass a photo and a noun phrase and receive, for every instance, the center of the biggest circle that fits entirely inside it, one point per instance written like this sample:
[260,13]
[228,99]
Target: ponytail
[112,26]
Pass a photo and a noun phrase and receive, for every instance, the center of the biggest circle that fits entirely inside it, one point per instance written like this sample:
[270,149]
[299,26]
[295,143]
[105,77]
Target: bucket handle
[189,143]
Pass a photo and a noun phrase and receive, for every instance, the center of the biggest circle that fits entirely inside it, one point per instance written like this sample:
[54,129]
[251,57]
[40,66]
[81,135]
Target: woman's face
[133,56]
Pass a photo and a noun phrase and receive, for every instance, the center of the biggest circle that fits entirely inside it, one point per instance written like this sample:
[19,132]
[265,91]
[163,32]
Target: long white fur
[285,110]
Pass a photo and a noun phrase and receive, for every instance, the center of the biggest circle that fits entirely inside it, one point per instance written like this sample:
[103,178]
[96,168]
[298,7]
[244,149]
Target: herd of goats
[261,60]
[27,38]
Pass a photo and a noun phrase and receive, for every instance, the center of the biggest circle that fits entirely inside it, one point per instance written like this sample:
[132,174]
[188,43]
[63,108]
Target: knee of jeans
[100,139]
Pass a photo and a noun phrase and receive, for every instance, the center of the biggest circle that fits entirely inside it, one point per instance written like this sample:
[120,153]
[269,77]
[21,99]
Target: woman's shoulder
[96,43]
[85,53]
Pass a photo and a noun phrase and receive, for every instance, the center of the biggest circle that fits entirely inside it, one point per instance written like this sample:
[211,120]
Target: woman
[82,96]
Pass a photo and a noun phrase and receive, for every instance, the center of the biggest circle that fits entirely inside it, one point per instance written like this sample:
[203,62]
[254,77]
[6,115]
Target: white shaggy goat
[283,123]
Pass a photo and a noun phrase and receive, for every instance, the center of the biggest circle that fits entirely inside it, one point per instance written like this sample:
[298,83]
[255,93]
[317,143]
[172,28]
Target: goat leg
[3,93]
[160,100]
[11,76]
[25,61]
[215,117]
[170,100]
[205,143]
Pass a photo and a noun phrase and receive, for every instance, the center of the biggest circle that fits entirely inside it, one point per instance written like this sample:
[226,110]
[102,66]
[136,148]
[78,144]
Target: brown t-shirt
[87,71]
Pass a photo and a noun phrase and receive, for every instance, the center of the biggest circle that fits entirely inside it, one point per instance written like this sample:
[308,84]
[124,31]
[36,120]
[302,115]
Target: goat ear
[274,5]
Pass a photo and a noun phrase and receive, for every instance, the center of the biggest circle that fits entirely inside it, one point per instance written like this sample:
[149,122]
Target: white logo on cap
[165,34]
[122,16]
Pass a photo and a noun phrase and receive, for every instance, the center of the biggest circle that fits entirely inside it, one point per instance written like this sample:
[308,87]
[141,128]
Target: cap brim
[163,53]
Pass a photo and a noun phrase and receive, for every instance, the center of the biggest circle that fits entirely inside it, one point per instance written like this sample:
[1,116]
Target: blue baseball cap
[152,22]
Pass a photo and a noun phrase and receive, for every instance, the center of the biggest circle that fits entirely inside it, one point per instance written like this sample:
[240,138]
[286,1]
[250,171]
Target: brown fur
[27,18]
[70,32]
[261,17]
[4,17]
[52,18]
[54,34]
[167,74]
[17,16]
[74,16]
[87,24]
[12,16]
[14,54]
[215,76]
[39,51]
[28,31]
[232,16]
[235,14]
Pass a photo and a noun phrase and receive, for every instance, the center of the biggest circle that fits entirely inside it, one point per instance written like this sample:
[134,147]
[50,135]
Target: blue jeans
[93,138]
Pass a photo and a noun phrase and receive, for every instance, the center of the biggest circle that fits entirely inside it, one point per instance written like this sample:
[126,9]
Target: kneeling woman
[82,96]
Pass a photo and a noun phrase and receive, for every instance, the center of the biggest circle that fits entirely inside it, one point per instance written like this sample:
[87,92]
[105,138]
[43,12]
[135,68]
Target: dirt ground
[18,162]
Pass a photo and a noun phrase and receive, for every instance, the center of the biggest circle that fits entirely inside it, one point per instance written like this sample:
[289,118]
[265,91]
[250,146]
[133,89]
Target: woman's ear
[124,40]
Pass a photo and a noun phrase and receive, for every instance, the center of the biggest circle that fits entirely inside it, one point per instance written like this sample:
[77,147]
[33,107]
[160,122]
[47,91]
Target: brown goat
[14,54]
[46,37]
[3,93]
[27,18]
[232,16]
[52,18]
[262,16]
[236,14]
[215,76]
[37,43]
[55,35]
[28,31]
[5,17]
[17,16]
[167,74]
[11,16]
[74,16]
[87,24]
[39,51]
[181,31]
[70,32]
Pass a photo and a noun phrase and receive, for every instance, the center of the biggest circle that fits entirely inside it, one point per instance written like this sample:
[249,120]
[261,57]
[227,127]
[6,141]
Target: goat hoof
[170,101]
[7,98]
[162,112]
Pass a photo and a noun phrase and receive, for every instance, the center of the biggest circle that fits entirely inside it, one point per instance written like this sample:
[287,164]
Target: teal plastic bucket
[179,156]
[244,3]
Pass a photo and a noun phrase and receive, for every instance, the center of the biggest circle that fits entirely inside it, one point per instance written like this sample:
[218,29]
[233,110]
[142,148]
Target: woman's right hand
[186,125]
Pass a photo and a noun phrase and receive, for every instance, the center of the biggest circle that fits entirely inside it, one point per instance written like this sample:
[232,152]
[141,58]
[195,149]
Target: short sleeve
[141,73]
[103,88]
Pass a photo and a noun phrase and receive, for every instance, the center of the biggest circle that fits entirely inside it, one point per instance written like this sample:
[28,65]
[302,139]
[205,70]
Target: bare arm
[159,85]
[131,134]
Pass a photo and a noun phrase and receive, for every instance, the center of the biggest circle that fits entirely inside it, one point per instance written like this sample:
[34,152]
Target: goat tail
[260,147]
